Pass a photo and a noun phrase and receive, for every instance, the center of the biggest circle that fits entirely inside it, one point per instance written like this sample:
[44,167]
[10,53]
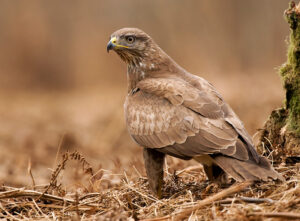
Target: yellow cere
[114,41]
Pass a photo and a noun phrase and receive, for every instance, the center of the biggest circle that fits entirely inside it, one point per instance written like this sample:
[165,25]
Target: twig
[138,173]
[30,173]
[183,214]
[247,200]
[24,204]
[189,169]
[89,195]
[286,215]
[32,193]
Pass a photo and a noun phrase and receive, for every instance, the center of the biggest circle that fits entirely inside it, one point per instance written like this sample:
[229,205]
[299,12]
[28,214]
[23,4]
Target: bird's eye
[130,39]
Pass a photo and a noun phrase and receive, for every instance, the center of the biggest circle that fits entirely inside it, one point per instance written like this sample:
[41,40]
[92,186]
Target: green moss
[290,72]
[294,114]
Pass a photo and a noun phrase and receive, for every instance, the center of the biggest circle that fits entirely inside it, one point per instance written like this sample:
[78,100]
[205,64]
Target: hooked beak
[111,44]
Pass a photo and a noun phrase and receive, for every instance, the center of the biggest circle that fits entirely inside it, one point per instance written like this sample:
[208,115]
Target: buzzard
[170,111]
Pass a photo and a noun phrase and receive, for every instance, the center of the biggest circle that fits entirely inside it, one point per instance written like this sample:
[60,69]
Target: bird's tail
[248,170]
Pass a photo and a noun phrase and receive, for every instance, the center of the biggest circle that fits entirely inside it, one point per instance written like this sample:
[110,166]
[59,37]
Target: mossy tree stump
[281,132]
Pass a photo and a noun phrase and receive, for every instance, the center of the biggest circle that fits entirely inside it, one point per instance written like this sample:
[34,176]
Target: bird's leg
[154,163]
[209,172]
[216,174]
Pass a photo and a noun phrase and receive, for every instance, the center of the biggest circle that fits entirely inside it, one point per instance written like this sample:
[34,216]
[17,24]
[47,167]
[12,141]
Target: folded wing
[182,120]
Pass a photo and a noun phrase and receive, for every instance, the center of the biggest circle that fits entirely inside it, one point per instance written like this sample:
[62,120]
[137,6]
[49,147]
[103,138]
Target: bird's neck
[158,66]
[138,71]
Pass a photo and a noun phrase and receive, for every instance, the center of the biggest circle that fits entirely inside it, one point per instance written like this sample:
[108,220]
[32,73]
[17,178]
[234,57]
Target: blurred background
[59,87]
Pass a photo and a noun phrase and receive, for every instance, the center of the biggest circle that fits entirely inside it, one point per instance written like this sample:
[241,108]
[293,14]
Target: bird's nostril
[113,40]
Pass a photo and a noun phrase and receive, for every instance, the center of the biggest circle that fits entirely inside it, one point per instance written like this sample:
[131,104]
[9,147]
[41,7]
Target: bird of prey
[170,111]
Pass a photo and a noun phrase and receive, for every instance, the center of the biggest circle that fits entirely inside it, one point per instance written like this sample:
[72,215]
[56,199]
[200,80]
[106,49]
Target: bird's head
[132,45]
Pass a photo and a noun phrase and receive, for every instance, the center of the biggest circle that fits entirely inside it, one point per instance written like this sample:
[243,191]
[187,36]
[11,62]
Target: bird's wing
[229,115]
[201,97]
[170,114]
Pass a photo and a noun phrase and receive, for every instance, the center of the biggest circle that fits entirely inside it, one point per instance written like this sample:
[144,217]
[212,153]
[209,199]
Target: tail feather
[247,170]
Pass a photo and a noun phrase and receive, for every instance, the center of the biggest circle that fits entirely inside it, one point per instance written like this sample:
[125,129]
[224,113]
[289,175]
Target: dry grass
[118,194]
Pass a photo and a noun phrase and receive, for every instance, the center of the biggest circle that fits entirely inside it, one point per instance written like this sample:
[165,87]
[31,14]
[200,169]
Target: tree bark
[281,132]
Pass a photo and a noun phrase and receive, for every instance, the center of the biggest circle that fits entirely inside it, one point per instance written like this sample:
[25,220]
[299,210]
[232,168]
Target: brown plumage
[170,111]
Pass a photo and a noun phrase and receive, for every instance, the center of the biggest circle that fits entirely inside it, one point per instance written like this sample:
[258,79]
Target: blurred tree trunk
[281,132]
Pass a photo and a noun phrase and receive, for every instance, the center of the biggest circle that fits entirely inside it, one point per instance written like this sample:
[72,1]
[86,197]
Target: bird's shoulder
[192,92]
